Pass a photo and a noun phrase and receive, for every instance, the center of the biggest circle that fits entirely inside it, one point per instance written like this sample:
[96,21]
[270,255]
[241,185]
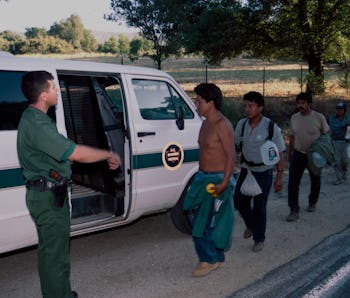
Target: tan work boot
[204,268]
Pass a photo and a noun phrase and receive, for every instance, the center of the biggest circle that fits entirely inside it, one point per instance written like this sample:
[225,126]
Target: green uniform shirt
[41,147]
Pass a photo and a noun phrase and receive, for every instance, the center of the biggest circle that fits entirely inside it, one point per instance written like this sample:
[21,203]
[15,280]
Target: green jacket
[325,147]
[197,197]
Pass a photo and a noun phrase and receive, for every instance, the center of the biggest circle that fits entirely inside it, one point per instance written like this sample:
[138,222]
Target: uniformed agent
[42,148]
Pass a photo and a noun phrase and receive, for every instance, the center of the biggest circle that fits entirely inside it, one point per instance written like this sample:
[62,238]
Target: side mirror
[180,118]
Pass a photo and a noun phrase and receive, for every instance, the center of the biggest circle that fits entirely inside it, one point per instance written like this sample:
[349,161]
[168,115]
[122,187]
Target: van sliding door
[90,118]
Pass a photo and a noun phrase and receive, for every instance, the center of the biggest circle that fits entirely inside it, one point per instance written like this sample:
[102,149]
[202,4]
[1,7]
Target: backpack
[269,137]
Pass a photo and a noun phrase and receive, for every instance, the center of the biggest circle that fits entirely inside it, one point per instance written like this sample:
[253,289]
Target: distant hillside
[101,37]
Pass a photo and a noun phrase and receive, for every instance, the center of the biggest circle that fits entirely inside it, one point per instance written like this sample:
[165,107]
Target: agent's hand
[114,161]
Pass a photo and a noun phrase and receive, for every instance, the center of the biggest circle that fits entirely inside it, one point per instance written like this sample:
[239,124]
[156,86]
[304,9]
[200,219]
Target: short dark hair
[304,96]
[256,97]
[35,82]
[209,91]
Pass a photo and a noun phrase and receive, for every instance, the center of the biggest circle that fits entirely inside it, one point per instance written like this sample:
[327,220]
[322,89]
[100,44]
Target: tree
[13,42]
[72,30]
[35,32]
[124,45]
[217,29]
[155,19]
[46,45]
[135,48]
[5,45]
[110,46]
[302,28]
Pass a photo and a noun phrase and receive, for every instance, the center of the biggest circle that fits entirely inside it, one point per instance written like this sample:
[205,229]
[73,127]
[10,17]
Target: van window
[158,100]
[12,100]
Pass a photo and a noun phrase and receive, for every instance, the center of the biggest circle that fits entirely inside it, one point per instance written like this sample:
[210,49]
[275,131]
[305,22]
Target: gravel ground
[150,258]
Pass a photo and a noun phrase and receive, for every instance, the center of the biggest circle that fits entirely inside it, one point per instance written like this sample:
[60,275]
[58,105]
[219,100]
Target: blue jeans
[296,169]
[341,159]
[205,247]
[254,218]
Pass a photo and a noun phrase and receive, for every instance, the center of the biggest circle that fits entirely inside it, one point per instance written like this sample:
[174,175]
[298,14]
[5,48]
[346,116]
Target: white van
[141,113]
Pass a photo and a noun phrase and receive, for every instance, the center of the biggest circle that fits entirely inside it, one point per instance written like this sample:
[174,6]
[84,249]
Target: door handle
[146,133]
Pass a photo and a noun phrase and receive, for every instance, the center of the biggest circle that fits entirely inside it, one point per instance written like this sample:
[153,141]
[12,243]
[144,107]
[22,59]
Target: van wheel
[181,219]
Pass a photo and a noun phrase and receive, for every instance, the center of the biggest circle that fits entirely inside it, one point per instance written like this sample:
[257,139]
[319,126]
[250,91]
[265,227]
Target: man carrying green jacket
[216,162]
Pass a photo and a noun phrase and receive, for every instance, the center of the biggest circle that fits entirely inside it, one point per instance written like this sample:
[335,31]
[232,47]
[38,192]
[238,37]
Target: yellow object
[210,188]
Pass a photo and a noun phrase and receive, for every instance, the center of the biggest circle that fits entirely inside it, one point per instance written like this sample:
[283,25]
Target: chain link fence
[273,79]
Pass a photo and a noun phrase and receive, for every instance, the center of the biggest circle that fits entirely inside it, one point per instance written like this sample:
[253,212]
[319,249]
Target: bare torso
[212,157]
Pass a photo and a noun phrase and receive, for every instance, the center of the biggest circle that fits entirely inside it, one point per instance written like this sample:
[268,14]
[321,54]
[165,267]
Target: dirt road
[151,258]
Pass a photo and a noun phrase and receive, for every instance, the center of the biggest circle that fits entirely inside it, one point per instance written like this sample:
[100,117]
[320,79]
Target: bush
[232,110]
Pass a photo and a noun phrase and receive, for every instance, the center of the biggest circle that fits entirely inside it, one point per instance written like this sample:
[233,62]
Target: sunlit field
[279,81]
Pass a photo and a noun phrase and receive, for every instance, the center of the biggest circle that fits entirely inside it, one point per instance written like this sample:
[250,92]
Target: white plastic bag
[249,186]
[347,136]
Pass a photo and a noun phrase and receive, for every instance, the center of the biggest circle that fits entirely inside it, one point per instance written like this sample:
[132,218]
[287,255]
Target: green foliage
[72,31]
[5,45]
[124,45]
[11,42]
[35,32]
[155,19]
[217,32]
[46,45]
[304,29]
[232,110]
[135,48]
[315,83]
[344,80]
[140,47]
[339,50]
[109,46]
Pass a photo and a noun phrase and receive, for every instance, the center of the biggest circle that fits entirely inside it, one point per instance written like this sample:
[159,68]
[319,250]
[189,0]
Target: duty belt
[42,184]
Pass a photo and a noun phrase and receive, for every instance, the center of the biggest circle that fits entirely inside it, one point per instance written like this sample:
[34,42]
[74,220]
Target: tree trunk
[315,79]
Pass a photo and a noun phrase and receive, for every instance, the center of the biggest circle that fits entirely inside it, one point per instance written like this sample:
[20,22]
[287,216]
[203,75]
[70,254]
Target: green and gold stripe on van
[14,177]
[143,161]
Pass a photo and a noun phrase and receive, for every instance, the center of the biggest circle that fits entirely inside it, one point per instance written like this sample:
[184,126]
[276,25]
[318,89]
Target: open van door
[94,116]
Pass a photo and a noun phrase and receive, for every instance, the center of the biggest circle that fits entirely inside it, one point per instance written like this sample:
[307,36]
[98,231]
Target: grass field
[279,81]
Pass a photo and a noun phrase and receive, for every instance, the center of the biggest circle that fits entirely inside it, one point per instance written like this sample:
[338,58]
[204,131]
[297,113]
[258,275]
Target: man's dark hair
[304,96]
[35,82]
[209,91]
[256,97]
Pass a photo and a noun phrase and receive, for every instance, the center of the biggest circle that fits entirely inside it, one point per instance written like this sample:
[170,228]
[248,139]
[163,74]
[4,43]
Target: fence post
[206,70]
[264,77]
[301,78]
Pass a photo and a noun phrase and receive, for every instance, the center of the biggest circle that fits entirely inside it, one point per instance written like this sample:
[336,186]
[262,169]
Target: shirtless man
[216,162]
[216,137]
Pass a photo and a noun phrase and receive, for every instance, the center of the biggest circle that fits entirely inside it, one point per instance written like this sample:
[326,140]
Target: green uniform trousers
[53,227]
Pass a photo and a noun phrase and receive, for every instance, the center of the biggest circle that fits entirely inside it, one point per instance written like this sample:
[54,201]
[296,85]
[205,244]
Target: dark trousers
[254,217]
[53,227]
[296,169]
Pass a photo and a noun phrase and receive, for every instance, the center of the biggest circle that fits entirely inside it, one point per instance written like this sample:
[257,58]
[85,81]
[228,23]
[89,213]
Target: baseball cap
[341,106]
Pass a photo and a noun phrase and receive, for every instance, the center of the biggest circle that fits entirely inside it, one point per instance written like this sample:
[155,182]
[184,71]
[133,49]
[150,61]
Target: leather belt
[42,184]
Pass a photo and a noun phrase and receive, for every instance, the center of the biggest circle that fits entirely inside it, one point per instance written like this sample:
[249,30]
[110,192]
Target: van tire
[181,219]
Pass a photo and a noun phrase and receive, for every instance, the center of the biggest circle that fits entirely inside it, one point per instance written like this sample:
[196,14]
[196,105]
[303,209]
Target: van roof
[28,63]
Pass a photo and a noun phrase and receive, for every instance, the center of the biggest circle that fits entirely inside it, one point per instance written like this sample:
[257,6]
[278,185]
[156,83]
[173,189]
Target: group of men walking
[217,155]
